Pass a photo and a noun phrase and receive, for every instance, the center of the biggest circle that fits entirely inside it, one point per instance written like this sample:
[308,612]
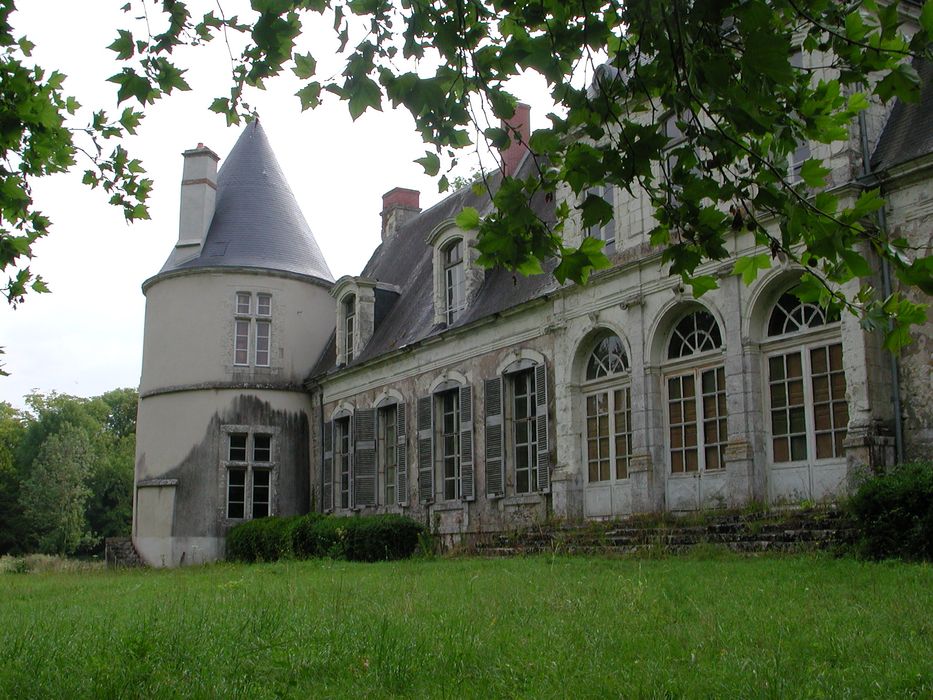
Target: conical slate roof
[257,221]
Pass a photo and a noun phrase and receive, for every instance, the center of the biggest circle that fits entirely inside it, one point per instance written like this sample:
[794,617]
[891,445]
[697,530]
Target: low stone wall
[120,552]
[781,531]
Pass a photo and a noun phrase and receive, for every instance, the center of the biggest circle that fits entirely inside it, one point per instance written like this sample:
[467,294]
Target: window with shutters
[517,458]
[388,453]
[342,461]
[249,466]
[695,387]
[445,444]
[608,406]
[252,329]
[808,411]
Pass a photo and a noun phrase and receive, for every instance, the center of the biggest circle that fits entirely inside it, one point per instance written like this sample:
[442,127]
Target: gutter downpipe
[886,289]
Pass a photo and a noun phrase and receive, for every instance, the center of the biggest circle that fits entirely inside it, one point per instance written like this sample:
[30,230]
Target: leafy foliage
[42,133]
[88,444]
[893,513]
[723,75]
[371,538]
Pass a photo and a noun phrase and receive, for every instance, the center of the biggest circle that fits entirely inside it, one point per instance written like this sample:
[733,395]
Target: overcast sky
[85,337]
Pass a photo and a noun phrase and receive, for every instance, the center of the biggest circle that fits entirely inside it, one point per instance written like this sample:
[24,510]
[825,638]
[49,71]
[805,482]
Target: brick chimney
[198,195]
[398,206]
[521,122]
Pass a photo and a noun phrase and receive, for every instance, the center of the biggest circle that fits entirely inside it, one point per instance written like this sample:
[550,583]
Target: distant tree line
[66,472]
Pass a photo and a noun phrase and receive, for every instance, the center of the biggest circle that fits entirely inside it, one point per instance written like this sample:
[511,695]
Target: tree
[12,428]
[54,496]
[723,69]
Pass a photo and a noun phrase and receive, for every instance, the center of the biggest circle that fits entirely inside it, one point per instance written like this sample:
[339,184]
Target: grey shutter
[425,450]
[544,458]
[467,484]
[327,477]
[364,457]
[401,453]
[495,466]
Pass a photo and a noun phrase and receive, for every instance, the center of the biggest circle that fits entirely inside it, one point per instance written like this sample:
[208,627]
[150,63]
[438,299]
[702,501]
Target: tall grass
[537,627]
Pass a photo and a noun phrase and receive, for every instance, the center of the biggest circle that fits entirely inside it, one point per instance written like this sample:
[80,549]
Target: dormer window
[456,274]
[454,280]
[349,326]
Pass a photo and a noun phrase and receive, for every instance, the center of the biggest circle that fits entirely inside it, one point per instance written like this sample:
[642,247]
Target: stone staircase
[771,531]
[119,552]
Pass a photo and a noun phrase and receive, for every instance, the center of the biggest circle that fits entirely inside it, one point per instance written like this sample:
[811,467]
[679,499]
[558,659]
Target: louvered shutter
[467,482]
[425,450]
[401,453]
[327,477]
[495,465]
[364,457]
[544,458]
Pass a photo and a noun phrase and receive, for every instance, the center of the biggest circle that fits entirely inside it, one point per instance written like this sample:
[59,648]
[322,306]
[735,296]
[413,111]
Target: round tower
[235,321]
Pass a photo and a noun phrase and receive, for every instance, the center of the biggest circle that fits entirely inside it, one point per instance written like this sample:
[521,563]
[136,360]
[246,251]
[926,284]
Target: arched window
[806,382]
[608,400]
[696,395]
[454,281]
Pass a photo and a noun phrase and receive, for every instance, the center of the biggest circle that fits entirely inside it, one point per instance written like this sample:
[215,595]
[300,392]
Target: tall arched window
[454,282]
[696,395]
[806,382]
[608,400]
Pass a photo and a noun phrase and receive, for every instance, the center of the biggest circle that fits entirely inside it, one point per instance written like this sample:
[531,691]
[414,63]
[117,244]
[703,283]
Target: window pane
[237,452]
[262,448]
[261,493]
[242,303]
[781,453]
[263,330]
[241,343]
[264,304]
[236,493]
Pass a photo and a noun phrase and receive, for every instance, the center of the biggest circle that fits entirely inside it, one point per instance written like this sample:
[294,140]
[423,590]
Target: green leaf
[701,284]
[748,266]
[123,45]
[431,163]
[309,95]
[814,173]
[364,93]
[468,219]
[305,65]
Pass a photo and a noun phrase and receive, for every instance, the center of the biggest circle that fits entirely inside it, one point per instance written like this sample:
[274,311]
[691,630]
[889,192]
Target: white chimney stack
[198,196]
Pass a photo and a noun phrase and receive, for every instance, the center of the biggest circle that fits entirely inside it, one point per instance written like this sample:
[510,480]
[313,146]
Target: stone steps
[795,531]
[119,552]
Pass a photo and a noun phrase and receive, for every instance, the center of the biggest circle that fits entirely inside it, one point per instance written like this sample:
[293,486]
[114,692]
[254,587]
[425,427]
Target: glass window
[608,437]
[449,404]
[236,493]
[388,450]
[263,332]
[237,452]
[349,326]
[241,343]
[250,334]
[262,448]
[263,304]
[454,281]
[525,430]
[243,303]
[342,458]
[695,333]
[261,492]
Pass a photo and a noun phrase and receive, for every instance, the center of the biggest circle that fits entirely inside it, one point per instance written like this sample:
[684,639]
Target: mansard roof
[908,133]
[257,222]
[406,261]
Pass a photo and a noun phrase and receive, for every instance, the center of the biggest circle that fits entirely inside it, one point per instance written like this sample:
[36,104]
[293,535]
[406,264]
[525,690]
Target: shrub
[263,539]
[371,538]
[893,513]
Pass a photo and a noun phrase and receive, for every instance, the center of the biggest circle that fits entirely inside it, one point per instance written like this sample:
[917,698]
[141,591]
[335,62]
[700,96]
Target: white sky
[85,337]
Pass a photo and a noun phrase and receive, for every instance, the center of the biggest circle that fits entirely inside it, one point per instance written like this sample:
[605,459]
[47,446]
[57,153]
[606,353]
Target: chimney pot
[398,206]
[521,123]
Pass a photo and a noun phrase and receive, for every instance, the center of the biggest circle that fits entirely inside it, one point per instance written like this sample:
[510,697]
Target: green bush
[370,538]
[893,513]
[263,539]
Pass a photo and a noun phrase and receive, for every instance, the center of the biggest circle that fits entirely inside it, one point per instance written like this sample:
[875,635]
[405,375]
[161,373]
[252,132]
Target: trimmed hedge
[893,513]
[371,538]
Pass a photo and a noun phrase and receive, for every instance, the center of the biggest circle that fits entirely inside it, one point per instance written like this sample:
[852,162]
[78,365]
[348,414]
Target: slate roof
[406,261]
[257,221]
[909,131]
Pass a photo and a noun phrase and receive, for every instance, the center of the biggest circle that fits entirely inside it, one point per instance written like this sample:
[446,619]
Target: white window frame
[443,457]
[250,320]
[249,466]
[802,341]
[343,459]
[348,316]
[695,366]
[607,232]
[616,379]
[385,447]
[454,280]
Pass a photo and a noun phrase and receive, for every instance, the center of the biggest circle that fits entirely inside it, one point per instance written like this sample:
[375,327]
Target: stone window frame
[252,317]
[820,330]
[440,239]
[610,382]
[430,455]
[500,439]
[391,398]
[695,367]
[249,466]
[607,232]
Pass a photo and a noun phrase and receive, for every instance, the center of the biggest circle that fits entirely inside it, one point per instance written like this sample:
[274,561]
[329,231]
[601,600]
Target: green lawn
[717,626]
